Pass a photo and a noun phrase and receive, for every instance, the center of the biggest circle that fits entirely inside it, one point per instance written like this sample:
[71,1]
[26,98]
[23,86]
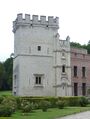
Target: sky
[74,19]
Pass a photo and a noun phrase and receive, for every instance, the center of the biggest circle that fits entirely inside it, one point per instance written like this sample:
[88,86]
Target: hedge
[70,101]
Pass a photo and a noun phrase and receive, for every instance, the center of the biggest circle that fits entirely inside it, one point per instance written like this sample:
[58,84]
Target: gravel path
[83,115]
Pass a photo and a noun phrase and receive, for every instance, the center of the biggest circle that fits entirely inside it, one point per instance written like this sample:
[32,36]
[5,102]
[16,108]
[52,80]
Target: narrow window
[39,48]
[36,80]
[83,89]
[63,68]
[83,71]
[75,89]
[39,80]
[15,79]
[75,71]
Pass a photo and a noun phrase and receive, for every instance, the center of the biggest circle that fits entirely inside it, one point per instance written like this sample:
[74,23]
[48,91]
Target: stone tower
[36,47]
[62,67]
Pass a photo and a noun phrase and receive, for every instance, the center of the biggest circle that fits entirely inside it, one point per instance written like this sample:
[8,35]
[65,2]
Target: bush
[83,102]
[52,101]
[1,99]
[88,98]
[26,106]
[60,104]
[10,102]
[45,105]
[5,111]
[36,106]
[72,101]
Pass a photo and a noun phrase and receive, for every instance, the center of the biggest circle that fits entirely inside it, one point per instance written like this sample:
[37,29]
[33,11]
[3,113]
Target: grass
[50,114]
[7,93]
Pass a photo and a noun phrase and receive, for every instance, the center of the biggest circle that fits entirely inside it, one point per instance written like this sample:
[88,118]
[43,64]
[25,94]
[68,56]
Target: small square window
[38,80]
[39,48]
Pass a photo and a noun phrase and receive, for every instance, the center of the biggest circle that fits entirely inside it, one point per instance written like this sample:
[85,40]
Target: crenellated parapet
[35,21]
[65,44]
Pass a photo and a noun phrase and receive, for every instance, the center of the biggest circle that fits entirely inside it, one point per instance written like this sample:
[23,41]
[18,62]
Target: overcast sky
[74,19]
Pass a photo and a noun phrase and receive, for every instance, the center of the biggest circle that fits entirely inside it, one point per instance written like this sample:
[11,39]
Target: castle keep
[41,65]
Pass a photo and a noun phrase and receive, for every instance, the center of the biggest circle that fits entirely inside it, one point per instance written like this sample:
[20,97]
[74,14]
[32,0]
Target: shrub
[52,101]
[5,111]
[72,101]
[10,102]
[26,106]
[45,105]
[88,98]
[60,104]
[1,99]
[88,91]
[18,101]
[83,102]
[36,106]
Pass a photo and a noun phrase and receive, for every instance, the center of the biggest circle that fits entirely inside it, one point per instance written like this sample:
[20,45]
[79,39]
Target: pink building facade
[80,72]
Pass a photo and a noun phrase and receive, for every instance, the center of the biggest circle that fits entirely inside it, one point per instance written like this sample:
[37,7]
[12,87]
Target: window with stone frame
[38,79]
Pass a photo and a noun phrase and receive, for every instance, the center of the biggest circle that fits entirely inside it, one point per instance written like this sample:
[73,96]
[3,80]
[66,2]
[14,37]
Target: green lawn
[5,93]
[50,114]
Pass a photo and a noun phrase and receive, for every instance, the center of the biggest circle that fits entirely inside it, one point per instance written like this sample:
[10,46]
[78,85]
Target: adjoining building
[41,65]
[80,63]
[44,64]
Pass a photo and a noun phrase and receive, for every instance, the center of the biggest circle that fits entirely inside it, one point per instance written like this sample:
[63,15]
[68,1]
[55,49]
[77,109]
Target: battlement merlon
[35,21]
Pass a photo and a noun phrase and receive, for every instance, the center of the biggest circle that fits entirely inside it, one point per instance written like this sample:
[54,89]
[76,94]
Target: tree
[77,45]
[2,71]
[8,65]
[74,44]
[88,48]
